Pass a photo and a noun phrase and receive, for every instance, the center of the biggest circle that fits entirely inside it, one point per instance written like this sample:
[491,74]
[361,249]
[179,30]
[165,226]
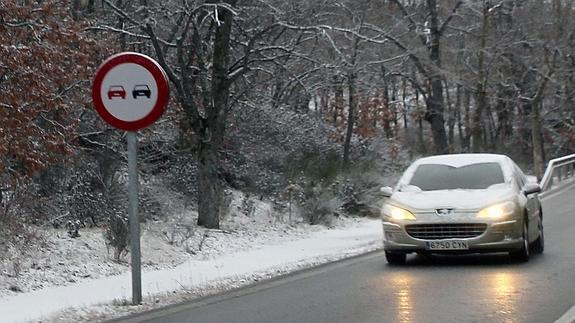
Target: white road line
[568,317]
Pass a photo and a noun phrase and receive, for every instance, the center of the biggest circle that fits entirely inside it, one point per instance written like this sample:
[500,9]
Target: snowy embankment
[93,299]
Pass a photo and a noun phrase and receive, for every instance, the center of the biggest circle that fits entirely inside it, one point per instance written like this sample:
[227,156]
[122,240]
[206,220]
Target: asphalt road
[474,288]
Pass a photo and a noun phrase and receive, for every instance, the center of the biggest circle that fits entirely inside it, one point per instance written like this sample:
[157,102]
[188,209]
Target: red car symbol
[116,91]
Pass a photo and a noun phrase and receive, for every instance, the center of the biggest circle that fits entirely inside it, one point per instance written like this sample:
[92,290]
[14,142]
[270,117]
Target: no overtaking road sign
[130,91]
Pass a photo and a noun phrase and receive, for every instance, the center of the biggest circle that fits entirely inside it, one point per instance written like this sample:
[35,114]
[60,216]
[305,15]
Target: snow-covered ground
[75,279]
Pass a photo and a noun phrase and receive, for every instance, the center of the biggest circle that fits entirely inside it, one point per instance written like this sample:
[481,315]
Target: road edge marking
[568,317]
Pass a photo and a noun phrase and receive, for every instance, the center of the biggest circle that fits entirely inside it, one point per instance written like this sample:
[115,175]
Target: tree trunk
[404,105]
[350,118]
[489,138]
[434,115]
[536,133]
[393,107]
[386,109]
[450,119]
[421,149]
[458,115]
[408,136]
[467,107]
[481,95]
[338,98]
[434,102]
[277,89]
[437,123]
[504,129]
[323,103]
[210,187]
[477,143]
[76,9]
[352,93]
[537,142]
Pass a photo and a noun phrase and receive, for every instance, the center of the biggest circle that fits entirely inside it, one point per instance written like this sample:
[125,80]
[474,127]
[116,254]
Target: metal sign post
[130,91]
[134,219]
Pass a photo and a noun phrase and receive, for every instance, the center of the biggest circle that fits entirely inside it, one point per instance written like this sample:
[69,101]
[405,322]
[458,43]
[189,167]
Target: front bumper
[497,237]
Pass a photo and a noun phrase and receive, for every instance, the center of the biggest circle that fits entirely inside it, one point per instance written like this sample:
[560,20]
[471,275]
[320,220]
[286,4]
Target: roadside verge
[192,278]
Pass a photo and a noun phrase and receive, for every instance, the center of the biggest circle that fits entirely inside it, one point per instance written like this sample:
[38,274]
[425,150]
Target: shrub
[116,235]
[320,206]
[314,165]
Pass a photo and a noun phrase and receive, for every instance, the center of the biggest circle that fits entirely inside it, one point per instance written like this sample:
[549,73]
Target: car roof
[458,160]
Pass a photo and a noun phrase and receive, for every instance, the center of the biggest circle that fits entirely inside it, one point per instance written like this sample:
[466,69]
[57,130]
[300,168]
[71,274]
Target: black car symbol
[141,90]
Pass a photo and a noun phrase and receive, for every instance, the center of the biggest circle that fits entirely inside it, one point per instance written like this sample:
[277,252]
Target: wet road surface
[471,288]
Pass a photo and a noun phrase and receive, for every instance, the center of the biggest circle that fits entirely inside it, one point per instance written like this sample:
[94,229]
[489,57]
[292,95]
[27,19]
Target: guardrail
[558,170]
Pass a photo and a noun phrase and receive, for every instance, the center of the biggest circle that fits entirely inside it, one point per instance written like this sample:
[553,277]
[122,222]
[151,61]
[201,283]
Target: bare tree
[430,33]
[215,53]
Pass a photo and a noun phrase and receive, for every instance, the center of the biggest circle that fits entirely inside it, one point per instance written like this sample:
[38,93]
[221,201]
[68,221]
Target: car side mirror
[531,188]
[531,178]
[386,191]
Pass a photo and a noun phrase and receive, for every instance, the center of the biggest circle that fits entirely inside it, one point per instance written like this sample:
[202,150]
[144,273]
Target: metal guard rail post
[558,170]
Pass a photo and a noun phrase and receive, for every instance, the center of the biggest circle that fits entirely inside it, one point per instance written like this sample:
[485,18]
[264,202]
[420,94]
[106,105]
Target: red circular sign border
[159,76]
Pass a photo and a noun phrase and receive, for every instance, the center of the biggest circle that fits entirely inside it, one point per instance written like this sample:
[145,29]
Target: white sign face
[129,92]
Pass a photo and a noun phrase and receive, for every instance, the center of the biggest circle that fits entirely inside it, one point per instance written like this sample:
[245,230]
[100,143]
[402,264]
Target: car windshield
[431,177]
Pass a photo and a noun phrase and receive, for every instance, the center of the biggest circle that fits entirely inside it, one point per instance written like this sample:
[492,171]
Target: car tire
[395,258]
[522,255]
[539,244]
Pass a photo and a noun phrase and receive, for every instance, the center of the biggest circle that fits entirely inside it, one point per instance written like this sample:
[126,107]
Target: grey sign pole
[134,220]
[131,113]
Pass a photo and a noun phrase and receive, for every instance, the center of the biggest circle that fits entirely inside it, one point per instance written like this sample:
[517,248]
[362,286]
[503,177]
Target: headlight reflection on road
[504,288]
[403,285]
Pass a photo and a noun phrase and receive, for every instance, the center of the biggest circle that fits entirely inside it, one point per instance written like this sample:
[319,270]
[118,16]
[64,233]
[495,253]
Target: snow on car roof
[459,160]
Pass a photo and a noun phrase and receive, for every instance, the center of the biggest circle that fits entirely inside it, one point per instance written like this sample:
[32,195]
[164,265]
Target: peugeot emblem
[444,212]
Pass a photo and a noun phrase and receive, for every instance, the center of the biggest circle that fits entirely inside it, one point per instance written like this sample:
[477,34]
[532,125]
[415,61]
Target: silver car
[462,203]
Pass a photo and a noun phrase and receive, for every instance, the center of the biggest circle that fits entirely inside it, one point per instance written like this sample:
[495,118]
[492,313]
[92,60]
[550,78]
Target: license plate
[447,245]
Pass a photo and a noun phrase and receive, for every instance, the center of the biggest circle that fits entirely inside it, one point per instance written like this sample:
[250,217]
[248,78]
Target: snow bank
[277,257]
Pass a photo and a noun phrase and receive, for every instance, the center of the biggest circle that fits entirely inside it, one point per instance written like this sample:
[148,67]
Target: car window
[430,177]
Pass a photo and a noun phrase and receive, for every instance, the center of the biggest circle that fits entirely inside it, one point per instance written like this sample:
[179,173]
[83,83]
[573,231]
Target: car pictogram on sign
[116,91]
[141,90]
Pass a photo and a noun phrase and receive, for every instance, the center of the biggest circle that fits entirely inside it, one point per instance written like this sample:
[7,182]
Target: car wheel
[395,258]
[522,255]
[539,244]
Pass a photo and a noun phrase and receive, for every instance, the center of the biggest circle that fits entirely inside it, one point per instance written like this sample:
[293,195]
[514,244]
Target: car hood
[457,199]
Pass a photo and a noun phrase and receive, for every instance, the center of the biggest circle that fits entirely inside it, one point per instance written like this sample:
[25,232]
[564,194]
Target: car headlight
[497,211]
[397,213]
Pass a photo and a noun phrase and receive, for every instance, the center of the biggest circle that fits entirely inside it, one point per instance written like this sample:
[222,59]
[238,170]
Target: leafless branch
[448,20]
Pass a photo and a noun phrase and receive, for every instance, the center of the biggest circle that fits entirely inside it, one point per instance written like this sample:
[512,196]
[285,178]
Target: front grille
[445,230]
